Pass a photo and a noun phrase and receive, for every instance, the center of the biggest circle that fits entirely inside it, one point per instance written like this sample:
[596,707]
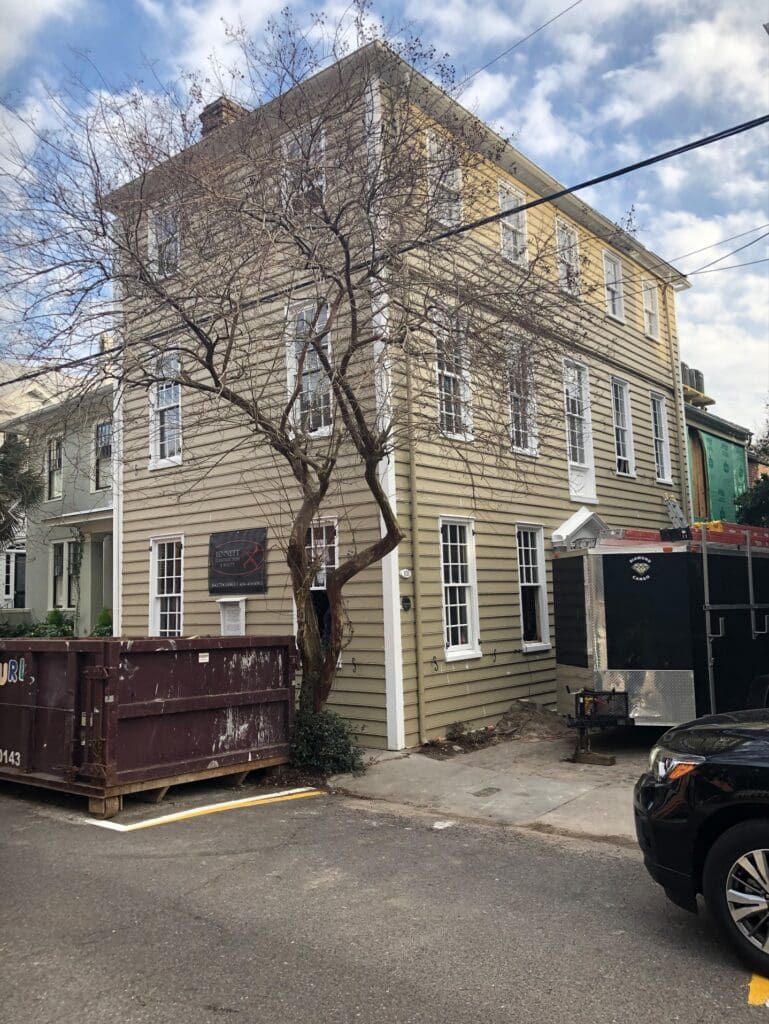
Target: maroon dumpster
[109,717]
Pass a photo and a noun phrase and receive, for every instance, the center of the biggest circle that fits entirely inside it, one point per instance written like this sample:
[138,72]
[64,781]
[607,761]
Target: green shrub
[103,625]
[324,743]
[55,625]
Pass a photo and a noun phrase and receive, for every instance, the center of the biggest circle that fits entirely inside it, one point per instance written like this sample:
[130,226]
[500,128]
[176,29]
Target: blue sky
[606,84]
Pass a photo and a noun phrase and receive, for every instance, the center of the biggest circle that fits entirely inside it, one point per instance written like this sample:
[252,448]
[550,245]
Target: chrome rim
[747,897]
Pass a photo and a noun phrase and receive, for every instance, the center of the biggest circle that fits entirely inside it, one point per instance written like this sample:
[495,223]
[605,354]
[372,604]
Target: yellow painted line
[758,992]
[198,812]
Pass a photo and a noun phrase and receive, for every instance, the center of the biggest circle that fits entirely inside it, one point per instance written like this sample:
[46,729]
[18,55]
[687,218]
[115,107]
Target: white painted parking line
[197,812]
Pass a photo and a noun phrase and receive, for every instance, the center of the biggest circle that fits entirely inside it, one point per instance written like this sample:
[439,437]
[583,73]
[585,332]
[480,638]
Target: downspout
[415,560]
[683,440]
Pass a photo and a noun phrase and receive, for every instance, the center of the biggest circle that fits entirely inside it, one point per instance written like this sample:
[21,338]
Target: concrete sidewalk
[519,782]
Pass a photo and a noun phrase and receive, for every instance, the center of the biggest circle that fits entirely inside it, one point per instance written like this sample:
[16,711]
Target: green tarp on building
[726,473]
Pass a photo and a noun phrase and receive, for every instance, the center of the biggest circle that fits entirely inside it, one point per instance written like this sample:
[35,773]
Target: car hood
[717,734]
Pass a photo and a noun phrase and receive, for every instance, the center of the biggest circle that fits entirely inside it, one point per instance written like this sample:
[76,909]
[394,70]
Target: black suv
[702,820]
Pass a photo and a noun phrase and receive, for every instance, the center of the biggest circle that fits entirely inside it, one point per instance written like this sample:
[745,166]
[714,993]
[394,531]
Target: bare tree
[314,229]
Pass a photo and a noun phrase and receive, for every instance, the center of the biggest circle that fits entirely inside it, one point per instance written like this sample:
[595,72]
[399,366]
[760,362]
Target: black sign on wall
[237,562]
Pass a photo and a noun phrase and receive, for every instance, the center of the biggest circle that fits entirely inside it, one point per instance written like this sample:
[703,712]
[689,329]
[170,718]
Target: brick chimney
[222,111]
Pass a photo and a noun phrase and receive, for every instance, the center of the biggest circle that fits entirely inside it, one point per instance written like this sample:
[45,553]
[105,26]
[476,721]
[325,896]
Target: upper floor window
[309,380]
[623,433]
[453,375]
[166,413]
[444,180]
[651,309]
[661,439]
[163,233]
[460,590]
[512,227]
[612,275]
[53,467]
[567,256]
[102,456]
[303,178]
[166,586]
[577,412]
[523,410]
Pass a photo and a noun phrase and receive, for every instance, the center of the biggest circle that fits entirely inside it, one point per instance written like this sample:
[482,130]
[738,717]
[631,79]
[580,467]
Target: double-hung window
[623,430]
[102,456]
[163,231]
[613,286]
[532,588]
[523,409]
[444,180]
[309,380]
[512,227]
[303,177]
[166,586]
[460,591]
[320,544]
[567,256]
[661,439]
[53,467]
[65,567]
[454,414]
[651,310]
[576,399]
[166,413]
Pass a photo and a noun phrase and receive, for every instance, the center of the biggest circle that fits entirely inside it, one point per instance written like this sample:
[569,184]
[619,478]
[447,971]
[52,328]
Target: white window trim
[327,521]
[611,258]
[629,427]
[153,620]
[287,139]
[66,556]
[241,604]
[152,244]
[649,285]
[155,462]
[533,646]
[521,258]
[93,488]
[472,650]
[667,479]
[571,228]
[292,310]
[581,475]
[433,142]
[532,451]
[48,440]
[465,379]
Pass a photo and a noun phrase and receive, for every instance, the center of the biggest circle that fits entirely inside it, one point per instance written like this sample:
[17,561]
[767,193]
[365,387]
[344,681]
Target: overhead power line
[726,255]
[460,229]
[734,266]
[519,43]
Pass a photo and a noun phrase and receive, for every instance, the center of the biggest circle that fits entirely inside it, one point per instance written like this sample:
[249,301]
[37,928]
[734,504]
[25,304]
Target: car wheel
[735,885]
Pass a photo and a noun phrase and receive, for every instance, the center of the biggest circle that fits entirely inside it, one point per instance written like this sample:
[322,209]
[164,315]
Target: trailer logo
[12,671]
[641,566]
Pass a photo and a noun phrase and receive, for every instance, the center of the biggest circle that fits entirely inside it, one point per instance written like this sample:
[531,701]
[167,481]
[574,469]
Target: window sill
[651,337]
[468,655]
[664,483]
[530,453]
[536,648]
[320,432]
[55,497]
[615,318]
[583,499]
[458,437]
[517,261]
[625,476]
[164,463]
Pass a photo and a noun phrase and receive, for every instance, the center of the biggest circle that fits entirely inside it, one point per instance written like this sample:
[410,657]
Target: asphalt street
[328,909]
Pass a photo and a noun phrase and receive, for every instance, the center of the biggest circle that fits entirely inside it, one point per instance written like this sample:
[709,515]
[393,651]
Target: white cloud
[488,93]
[719,60]
[21,19]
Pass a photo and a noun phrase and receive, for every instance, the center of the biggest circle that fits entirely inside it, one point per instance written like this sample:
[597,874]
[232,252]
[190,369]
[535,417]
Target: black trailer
[681,626]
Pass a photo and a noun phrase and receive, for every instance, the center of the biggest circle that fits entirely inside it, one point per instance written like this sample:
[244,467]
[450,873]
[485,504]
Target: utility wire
[461,229]
[721,241]
[734,266]
[519,43]
[726,255]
